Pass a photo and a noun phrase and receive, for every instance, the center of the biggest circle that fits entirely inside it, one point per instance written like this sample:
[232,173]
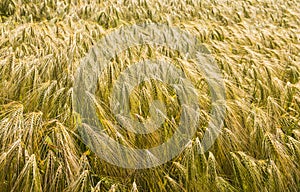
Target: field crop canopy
[150,95]
[96,61]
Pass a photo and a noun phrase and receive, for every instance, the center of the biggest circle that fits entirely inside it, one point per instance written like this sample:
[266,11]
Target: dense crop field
[255,43]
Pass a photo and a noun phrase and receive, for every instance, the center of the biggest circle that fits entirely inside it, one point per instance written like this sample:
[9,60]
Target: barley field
[255,43]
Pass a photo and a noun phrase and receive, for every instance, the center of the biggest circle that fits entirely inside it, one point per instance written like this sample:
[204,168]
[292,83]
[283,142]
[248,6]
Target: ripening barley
[255,43]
